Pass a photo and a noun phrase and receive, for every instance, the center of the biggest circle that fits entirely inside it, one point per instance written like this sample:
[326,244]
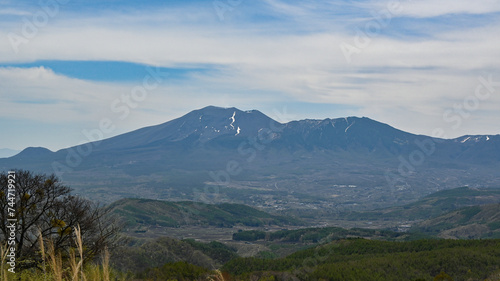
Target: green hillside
[430,206]
[321,235]
[466,223]
[138,254]
[342,259]
[369,260]
[137,212]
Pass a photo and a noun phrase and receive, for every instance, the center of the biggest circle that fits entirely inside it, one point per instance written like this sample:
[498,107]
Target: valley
[221,188]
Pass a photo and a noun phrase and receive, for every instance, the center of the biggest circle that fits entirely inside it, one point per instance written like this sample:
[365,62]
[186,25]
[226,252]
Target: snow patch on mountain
[233,120]
[349,125]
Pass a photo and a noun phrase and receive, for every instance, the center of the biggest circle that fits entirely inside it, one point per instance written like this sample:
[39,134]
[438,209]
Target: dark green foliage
[458,192]
[317,235]
[360,259]
[176,271]
[266,255]
[251,235]
[136,212]
[139,254]
[470,222]
[215,250]
[468,213]
[494,225]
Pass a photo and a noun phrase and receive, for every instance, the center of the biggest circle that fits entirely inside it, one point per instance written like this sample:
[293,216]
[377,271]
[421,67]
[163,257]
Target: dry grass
[42,253]
[76,268]
[55,262]
[494,277]
[3,253]
[217,276]
[70,269]
[105,265]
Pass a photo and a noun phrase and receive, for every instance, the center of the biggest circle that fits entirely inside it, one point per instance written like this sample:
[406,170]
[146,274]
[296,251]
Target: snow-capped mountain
[198,126]
[249,153]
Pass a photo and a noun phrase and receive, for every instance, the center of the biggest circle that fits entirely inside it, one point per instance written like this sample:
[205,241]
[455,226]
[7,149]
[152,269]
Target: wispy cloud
[265,55]
[429,8]
[14,12]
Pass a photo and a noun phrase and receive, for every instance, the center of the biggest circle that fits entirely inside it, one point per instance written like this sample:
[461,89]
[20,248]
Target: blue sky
[65,65]
[108,71]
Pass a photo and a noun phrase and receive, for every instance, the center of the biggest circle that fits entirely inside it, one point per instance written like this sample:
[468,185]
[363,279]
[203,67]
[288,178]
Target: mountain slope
[139,254]
[142,212]
[199,126]
[229,155]
[467,223]
[433,205]
[371,260]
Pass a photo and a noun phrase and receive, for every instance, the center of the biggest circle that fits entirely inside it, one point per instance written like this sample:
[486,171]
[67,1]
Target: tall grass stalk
[4,249]
[105,265]
[77,268]
[218,276]
[42,252]
[53,267]
[55,262]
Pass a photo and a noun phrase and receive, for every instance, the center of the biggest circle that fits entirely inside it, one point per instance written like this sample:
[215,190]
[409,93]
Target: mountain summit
[229,155]
[216,126]
[201,125]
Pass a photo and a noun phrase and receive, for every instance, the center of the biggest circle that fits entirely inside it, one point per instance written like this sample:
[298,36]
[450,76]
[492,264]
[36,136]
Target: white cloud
[429,8]
[406,83]
[309,11]
[39,96]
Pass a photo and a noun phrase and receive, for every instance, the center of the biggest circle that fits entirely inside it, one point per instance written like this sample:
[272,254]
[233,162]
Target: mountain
[6,152]
[217,155]
[32,153]
[195,128]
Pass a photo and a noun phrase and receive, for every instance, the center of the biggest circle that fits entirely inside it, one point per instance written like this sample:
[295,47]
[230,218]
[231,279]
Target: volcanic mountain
[227,155]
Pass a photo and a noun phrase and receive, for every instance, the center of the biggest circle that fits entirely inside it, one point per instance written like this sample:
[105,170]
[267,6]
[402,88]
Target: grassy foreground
[55,267]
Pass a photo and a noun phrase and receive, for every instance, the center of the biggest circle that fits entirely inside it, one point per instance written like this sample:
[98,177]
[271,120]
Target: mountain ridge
[229,155]
[141,137]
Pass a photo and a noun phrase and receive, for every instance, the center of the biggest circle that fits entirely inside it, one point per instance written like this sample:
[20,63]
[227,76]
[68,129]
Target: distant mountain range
[7,152]
[228,155]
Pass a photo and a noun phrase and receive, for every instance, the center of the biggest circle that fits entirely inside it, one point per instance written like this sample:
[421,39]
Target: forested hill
[369,260]
[432,205]
[136,212]
[467,223]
